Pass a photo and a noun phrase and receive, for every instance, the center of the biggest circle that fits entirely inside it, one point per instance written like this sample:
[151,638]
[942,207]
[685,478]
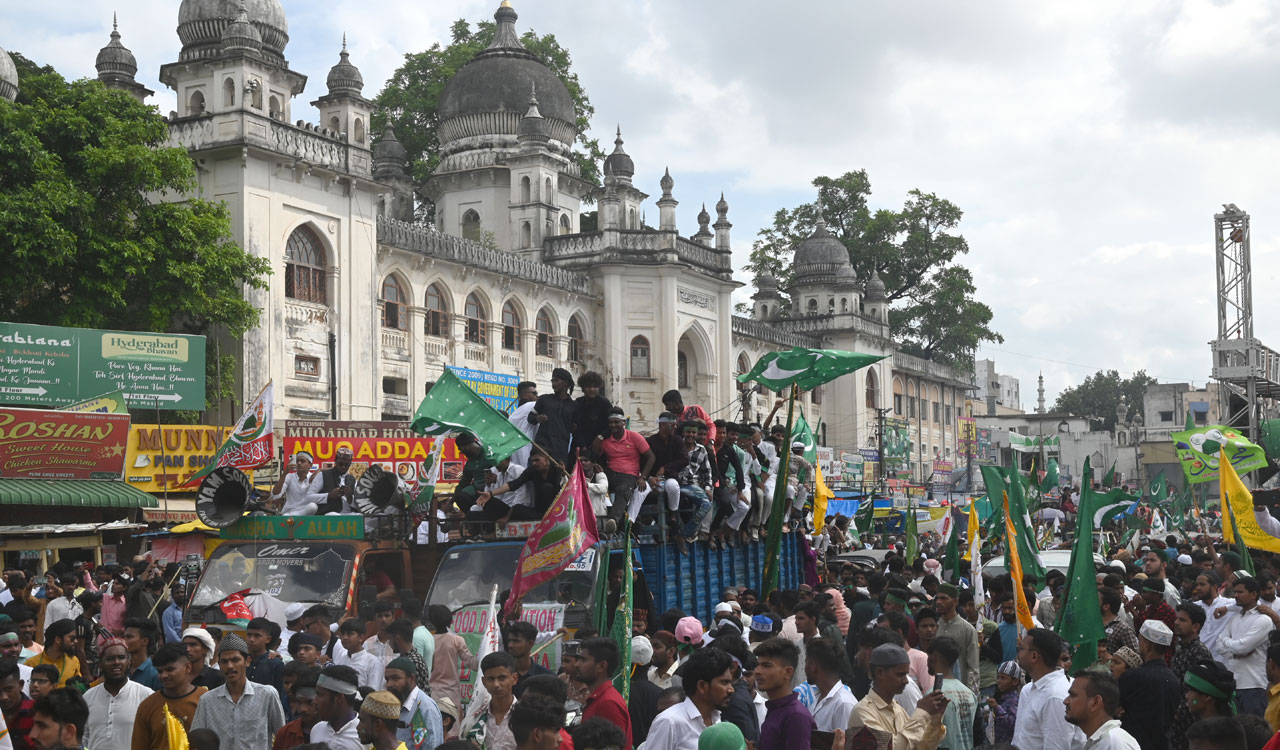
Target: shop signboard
[897,444]
[55,366]
[47,444]
[985,455]
[161,457]
[392,445]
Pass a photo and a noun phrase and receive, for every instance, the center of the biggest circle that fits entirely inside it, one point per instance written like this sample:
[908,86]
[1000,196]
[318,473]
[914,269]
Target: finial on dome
[505,4]
[722,206]
[344,41]
[533,102]
[666,183]
[115,25]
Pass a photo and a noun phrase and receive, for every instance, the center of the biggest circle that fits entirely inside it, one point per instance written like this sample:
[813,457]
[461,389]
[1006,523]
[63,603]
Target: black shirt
[591,420]
[1149,696]
[545,488]
[669,455]
[643,705]
[554,435]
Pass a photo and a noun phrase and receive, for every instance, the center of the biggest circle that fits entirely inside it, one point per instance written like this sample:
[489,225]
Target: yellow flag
[1232,490]
[1014,564]
[974,524]
[177,735]
[821,494]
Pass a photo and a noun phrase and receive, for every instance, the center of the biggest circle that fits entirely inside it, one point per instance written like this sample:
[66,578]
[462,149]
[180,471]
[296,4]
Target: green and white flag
[1000,480]
[1033,443]
[912,534]
[1157,489]
[1109,479]
[451,406]
[1051,476]
[805,368]
[1111,505]
[1080,619]
[622,621]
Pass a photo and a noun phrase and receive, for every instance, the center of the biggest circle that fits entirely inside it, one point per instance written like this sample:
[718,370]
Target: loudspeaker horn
[223,497]
[375,490]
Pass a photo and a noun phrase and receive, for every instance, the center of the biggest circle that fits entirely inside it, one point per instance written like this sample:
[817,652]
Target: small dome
[846,275]
[8,77]
[115,60]
[240,35]
[766,282]
[533,125]
[704,218]
[619,163]
[201,22]
[666,183]
[490,94]
[820,257]
[875,288]
[345,78]
[722,206]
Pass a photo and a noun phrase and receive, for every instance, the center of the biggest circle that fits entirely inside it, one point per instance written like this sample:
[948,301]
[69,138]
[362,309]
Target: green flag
[1109,479]
[863,516]
[451,406]
[1111,505]
[1051,476]
[802,433]
[805,368]
[1200,449]
[912,534]
[621,630]
[1158,489]
[952,554]
[1080,620]
[1009,480]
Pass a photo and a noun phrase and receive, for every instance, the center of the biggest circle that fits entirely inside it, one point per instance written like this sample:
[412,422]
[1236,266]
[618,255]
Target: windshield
[305,572]
[468,574]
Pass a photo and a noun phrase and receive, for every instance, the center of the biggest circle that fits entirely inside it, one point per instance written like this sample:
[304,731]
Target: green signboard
[53,366]
[296,527]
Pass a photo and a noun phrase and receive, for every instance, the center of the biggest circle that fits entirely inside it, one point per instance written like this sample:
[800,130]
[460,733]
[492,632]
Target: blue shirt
[1008,640]
[146,674]
[788,725]
[171,619]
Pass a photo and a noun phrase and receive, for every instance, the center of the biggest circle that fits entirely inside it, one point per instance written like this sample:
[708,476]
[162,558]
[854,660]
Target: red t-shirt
[624,454]
[607,703]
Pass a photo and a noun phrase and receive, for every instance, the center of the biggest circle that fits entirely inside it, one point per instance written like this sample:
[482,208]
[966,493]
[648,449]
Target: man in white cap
[879,713]
[799,477]
[1151,693]
[292,625]
[300,489]
[643,702]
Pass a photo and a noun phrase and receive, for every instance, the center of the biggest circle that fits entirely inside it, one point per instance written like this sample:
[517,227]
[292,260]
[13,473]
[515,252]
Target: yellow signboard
[168,454]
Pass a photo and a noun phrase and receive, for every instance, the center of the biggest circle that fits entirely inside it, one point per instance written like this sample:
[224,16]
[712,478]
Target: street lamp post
[1135,431]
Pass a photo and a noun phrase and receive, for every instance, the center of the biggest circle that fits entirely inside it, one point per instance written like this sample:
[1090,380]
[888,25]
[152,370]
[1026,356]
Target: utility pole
[883,464]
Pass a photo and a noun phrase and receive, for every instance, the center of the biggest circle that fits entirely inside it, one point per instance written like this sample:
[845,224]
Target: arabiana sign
[53,366]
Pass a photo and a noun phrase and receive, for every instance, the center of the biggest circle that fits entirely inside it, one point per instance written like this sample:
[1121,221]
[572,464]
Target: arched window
[937,406]
[565,226]
[640,357]
[195,104]
[229,93]
[437,318]
[543,324]
[275,108]
[548,193]
[873,390]
[525,190]
[359,130]
[335,124]
[744,366]
[682,370]
[304,266]
[631,219]
[476,320]
[393,301]
[577,346]
[831,306]
[510,327]
[844,304]
[257,95]
[471,225]
[526,235]
[812,307]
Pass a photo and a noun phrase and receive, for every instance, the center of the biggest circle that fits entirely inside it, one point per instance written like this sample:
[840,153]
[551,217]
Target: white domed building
[366,307]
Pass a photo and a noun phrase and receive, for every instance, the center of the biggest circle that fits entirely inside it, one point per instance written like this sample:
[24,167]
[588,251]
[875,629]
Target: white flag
[491,642]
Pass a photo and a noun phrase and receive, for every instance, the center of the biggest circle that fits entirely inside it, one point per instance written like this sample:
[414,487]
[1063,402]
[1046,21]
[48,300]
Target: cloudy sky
[1089,143]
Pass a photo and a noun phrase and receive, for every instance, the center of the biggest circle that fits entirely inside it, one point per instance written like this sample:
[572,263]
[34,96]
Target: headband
[335,685]
[304,454]
[895,599]
[1201,685]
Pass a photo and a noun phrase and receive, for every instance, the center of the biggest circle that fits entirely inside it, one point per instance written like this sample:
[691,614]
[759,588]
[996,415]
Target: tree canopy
[411,98]
[87,243]
[933,313]
[1100,394]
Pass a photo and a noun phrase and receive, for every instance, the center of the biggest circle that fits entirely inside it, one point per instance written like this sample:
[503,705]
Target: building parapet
[420,238]
[635,246]
[771,333]
[903,362]
[311,145]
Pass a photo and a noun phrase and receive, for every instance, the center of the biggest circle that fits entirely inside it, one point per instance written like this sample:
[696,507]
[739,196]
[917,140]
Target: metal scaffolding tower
[1247,370]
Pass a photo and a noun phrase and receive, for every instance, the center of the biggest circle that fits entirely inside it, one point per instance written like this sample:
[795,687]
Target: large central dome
[200,25]
[490,95]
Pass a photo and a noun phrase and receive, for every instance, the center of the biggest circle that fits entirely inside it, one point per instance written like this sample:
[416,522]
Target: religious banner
[897,444]
[49,444]
[497,389]
[1199,450]
[985,455]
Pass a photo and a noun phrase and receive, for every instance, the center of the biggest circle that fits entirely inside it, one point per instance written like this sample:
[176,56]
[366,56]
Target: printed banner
[897,444]
[985,455]
[392,445]
[566,531]
[49,444]
[107,403]
[1033,443]
[497,389]
[252,441]
[472,622]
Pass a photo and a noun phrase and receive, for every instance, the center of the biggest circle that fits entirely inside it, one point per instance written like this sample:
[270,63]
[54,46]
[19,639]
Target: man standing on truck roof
[526,399]
[555,415]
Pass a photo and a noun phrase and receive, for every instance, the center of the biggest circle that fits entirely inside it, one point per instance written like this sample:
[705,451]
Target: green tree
[87,244]
[933,312]
[1100,394]
[411,98]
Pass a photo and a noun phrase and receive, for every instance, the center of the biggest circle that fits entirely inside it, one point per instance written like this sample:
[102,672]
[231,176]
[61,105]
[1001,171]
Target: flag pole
[779,510]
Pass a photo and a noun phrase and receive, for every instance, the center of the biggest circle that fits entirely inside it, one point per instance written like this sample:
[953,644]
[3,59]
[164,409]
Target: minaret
[722,225]
[1040,395]
[667,204]
[344,109]
[704,235]
[117,66]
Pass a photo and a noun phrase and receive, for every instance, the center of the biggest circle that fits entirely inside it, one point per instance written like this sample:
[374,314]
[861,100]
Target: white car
[1054,559]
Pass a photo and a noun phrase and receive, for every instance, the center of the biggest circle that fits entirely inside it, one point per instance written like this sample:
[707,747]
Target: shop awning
[73,493]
